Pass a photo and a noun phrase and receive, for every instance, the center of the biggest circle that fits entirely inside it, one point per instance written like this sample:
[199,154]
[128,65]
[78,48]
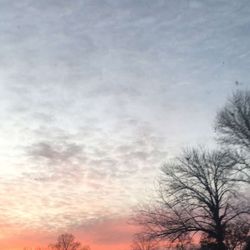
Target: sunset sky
[95,96]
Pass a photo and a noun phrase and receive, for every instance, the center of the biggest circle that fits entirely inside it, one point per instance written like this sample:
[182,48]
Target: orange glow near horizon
[114,234]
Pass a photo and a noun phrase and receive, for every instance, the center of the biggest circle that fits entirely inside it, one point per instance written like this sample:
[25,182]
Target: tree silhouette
[67,242]
[233,128]
[233,121]
[196,195]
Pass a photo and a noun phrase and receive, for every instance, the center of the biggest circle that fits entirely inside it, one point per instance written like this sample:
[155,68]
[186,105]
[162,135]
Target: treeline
[203,194]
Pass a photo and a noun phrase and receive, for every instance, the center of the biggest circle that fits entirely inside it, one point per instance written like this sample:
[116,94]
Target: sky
[95,96]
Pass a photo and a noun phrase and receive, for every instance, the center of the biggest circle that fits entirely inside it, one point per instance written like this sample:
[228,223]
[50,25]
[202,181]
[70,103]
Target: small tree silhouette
[67,242]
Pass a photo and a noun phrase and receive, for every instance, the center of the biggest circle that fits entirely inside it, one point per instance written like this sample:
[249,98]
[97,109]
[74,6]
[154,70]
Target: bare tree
[233,121]
[196,195]
[233,128]
[67,242]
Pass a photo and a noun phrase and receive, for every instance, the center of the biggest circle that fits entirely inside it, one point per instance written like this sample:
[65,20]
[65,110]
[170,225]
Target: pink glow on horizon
[113,234]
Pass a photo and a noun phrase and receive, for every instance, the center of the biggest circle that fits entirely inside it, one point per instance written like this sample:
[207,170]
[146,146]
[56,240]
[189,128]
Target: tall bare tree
[196,195]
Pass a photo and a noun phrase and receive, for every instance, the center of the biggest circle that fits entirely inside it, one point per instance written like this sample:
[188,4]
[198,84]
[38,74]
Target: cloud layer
[96,95]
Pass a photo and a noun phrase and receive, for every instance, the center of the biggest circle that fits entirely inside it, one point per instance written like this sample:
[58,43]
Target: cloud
[95,95]
[55,154]
[75,176]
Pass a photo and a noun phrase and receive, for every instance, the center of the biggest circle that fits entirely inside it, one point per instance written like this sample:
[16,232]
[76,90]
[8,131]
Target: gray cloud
[55,153]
